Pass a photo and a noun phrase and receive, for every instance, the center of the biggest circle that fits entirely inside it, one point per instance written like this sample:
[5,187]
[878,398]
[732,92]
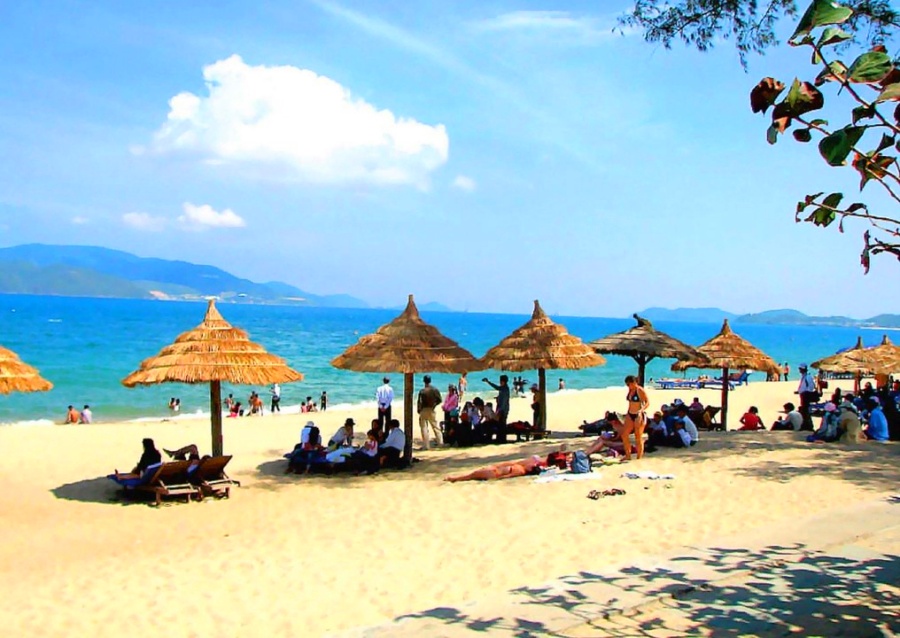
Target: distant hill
[695,315]
[784,316]
[91,271]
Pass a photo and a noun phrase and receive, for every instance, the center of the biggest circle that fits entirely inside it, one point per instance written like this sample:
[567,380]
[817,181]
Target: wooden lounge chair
[210,476]
[170,479]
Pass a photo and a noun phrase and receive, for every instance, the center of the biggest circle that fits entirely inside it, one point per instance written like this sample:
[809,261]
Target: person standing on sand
[323,401]
[429,398]
[502,405]
[71,416]
[384,396]
[276,398]
[86,415]
[808,394]
[462,385]
[635,418]
[562,384]
[785,371]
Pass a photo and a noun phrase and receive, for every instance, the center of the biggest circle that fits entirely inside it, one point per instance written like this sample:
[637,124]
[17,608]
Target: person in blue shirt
[877,430]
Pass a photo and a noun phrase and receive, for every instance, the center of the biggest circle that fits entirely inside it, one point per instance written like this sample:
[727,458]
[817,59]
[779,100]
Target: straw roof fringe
[213,351]
[728,350]
[644,339]
[17,376]
[541,343]
[857,359]
[407,345]
[887,355]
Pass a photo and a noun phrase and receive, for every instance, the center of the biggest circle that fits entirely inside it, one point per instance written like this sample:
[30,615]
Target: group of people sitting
[475,423]
[379,450]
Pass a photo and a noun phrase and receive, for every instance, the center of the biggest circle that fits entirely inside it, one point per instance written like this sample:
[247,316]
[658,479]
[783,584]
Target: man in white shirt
[343,437]
[86,415]
[808,395]
[792,419]
[276,398]
[384,396]
[690,434]
[391,451]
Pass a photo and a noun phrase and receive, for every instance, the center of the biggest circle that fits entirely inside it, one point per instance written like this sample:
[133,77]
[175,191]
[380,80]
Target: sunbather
[636,418]
[504,470]
[151,456]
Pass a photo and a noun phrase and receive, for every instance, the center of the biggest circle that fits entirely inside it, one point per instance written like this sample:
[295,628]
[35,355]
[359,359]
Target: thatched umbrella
[887,356]
[213,352]
[543,345]
[17,376]
[858,360]
[407,345]
[643,343]
[729,351]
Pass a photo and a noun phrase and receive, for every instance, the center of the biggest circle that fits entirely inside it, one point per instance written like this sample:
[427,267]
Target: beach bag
[581,462]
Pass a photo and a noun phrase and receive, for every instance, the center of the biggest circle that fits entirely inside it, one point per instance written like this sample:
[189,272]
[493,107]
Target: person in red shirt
[751,420]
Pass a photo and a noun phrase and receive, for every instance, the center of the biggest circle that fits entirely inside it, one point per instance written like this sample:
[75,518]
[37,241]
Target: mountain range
[784,316]
[91,271]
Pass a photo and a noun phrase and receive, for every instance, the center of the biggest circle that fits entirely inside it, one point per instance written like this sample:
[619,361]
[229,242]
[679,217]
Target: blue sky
[478,154]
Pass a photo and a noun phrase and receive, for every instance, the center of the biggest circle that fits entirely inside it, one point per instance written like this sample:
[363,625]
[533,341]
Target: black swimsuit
[634,398]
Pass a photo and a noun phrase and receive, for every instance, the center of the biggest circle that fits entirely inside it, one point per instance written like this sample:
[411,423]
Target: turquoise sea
[87,346]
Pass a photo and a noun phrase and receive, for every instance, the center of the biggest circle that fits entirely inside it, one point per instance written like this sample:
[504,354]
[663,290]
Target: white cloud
[464,183]
[292,121]
[560,25]
[79,220]
[202,217]
[144,221]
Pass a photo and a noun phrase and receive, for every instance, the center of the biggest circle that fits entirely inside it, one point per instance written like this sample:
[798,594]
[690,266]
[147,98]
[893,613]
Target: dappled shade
[644,343]
[213,352]
[18,376]
[407,345]
[540,344]
[728,351]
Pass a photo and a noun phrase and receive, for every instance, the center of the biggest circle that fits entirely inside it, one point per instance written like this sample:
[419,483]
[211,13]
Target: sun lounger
[675,384]
[162,479]
[209,475]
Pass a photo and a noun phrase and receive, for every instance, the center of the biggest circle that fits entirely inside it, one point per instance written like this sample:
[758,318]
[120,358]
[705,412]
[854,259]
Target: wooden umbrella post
[215,413]
[542,393]
[642,360]
[408,415]
[725,398]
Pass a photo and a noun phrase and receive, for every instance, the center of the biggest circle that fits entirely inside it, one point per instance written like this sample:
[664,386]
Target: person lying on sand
[504,470]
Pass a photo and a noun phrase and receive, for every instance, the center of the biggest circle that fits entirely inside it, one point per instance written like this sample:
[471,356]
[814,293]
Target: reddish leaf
[764,94]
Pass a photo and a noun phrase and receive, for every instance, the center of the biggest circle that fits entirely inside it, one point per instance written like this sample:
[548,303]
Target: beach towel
[558,477]
[652,476]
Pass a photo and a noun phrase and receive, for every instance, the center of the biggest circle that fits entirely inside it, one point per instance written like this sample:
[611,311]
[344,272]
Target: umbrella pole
[215,412]
[642,361]
[408,415]
[542,389]
[725,398]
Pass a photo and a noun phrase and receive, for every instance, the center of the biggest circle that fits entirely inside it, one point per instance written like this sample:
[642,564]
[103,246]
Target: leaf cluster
[869,141]
[750,24]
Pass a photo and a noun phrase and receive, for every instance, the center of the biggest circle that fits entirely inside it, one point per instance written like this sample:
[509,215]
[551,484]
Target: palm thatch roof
[541,343]
[729,350]
[213,351]
[858,359]
[406,345]
[644,339]
[887,355]
[17,376]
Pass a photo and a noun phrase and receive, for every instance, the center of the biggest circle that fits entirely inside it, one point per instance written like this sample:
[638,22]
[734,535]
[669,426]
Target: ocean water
[87,346]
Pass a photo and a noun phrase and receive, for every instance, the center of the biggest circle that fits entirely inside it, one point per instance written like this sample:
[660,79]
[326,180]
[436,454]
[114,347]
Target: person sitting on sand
[877,429]
[308,451]
[792,420]
[657,432]
[828,429]
[849,425]
[391,451]
[751,421]
[86,415]
[367,455]
[343,437]
[696,406]
[610,440]
[685,428]
[236,410]
[503,470]
[71,415]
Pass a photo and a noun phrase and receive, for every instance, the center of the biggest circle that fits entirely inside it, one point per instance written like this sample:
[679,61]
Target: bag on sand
[581,462]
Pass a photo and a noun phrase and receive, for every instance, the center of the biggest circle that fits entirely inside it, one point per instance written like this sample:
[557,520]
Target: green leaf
[802,98]
[870,67]
[835,72]
[891,93]
[833,35]
[802,135]
[836,147]
[833,200]
[820,13]
[821,217]
[862,113]
[772,134]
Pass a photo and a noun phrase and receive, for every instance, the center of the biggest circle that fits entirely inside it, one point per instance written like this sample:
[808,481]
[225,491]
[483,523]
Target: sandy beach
[304,556]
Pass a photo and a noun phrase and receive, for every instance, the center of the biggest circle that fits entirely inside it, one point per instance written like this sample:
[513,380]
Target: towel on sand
[547,477]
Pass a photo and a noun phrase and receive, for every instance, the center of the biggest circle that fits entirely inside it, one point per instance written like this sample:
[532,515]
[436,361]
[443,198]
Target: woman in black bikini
[636,418]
